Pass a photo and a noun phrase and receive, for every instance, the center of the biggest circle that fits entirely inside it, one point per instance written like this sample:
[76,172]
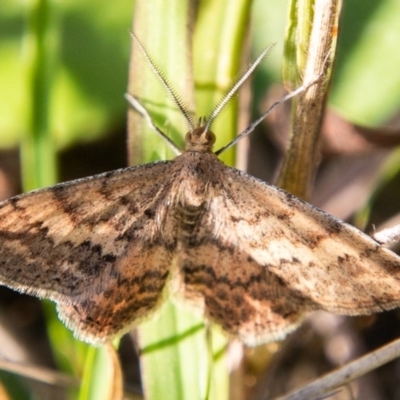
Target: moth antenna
[253,125]
[135,103]
[167,85]
[234,88]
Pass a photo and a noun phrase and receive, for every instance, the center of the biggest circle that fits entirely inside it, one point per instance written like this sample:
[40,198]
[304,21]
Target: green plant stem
[301,158]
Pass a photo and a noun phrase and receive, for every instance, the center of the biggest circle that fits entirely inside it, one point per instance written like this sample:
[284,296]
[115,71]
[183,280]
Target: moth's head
[200,139]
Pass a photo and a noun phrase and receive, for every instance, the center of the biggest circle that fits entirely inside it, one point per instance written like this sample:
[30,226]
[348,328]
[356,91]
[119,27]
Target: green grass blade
[174,357]
[219,38]
[102,377]
[162,28]
[38,156]
[296,42]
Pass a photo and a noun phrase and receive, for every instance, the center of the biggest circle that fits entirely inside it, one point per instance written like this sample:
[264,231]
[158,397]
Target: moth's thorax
[200,140]
[194,171]
[197,181]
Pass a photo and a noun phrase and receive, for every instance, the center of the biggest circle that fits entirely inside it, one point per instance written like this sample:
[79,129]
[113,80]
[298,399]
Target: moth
[254,258]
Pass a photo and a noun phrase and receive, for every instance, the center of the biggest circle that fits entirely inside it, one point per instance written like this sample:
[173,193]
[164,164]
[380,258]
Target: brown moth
[254,258]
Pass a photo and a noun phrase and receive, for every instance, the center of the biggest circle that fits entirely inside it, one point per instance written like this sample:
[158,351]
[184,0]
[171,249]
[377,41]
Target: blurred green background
[90,47]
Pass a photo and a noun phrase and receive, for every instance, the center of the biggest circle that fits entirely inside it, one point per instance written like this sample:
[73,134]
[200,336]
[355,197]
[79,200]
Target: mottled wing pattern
[263,258]
[331,263]
[235,292]
[93,245]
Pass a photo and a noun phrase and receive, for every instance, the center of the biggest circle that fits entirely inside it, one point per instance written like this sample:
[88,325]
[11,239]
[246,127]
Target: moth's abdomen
[188,218]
